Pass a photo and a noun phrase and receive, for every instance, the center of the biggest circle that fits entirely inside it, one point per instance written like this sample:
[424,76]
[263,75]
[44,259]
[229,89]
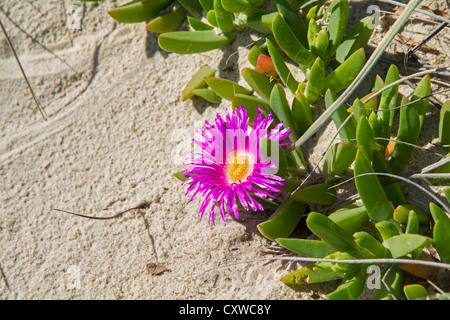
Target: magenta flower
[229,164]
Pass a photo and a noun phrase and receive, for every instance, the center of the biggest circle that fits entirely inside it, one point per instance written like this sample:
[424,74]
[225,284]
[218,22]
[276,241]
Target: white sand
[112,140]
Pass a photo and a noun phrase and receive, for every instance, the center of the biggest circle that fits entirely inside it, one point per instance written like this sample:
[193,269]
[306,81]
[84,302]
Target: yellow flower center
[239,166]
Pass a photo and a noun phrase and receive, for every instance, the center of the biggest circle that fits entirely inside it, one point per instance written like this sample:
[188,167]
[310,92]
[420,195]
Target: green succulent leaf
[307,275]
[401,213]
[412,225]
[351,218]
[348,131]
[355,39]
[198,81]
[408,131]
[138,11]
[337,24]
[237,6]
[281,109]
[441,232]
[224,18]
[415,292]
[260,20]
[315,81]
[193,7]
[207,5]
[402,244]
[208,95]
[250,103]
[294,21]
[289,43]
[368,242]
[343,76]
[301,113]
[339,157]
[335,236]
[226,88]
[378,206]
[283,71]
[167,22]
[258,82]
[198,25]
[444,124]
[187,42]
[283,221]
[351,287]
[388,101]
[364,137]
[422,90]
[305,247]
[387,229]
[317,194]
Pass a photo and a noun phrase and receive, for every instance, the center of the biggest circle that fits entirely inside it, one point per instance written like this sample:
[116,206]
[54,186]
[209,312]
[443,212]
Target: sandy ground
[112,142]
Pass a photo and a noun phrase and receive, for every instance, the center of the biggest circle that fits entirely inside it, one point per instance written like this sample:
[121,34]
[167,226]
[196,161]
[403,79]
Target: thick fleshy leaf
[301,113]
[335,236]
[281,109]
[368,242]
[415,292]
[294,20]
[255,52]
[315,81]
[283,71]
[422,90]
[343,76]
[193,7]
[351,287]
[289,43]
[412,225]
[355,39]
[224,18]
[444,124]
[198,81]
[443,168]
[408,131]
[441,232]
[167,22]
[260,20]
[211,18]
[401,213]
[388,100]
[198,25]
[348,132]
[337,24]
[283,221]
[306,275]
[351,218]
[320,45]
[208,95]
[317,194]
[187,42]
[339,157]
[387,229]
[258,82]
[402,244]
[237,6]
[138,11]
[378,206]
[364,137]
[306,247]
[447,194]
[207,4]
[226,88]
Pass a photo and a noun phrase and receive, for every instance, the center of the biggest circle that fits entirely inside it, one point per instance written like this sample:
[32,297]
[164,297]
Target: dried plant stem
[427,13]
[352,261]
[358,80]
[41,110]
